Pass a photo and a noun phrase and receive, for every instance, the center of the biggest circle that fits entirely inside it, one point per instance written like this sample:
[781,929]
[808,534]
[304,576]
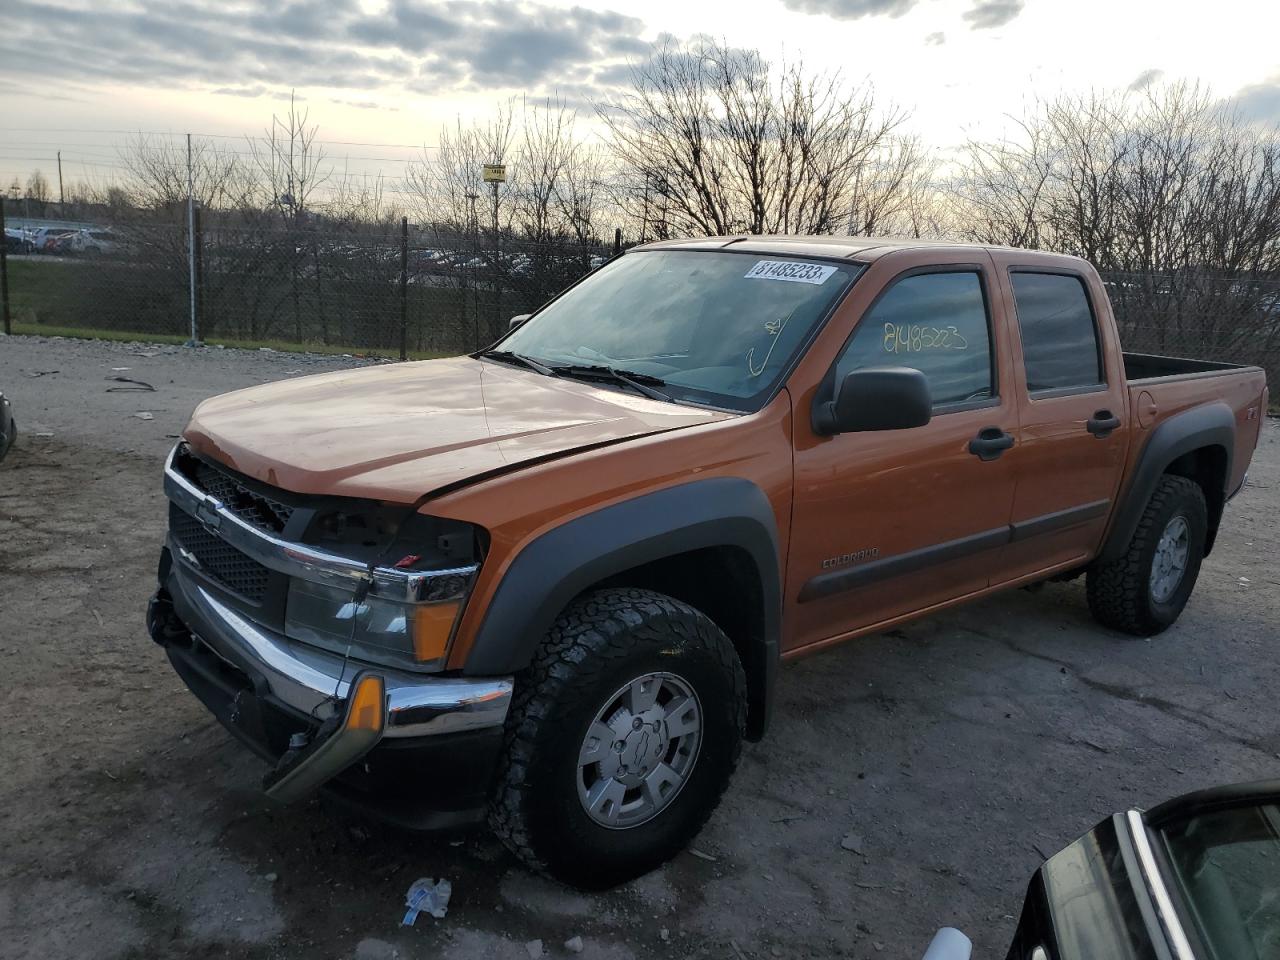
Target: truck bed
[1150,366]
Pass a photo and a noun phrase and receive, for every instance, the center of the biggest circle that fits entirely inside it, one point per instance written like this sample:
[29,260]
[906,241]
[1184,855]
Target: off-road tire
[599,643]
[1119,592]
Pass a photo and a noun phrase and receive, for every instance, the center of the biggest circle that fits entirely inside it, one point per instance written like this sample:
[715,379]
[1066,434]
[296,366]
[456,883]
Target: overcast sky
[75,72]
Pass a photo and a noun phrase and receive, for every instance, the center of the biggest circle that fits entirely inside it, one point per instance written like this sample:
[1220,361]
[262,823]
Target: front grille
[251,506]
[217,558]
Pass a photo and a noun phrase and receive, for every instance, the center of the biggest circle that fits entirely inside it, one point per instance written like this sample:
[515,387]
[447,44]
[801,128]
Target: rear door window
[1059,335]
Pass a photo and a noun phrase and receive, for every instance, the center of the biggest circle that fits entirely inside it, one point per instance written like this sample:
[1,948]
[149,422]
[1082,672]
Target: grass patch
[283,346]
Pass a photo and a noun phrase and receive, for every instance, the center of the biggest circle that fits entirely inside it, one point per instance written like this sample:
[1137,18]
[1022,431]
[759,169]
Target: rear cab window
[1059,331]
[937,323]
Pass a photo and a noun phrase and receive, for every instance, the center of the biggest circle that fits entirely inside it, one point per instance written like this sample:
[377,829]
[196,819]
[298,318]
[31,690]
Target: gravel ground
[955,751]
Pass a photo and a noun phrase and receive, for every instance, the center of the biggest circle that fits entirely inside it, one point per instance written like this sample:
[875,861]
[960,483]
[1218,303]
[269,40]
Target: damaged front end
[328,662]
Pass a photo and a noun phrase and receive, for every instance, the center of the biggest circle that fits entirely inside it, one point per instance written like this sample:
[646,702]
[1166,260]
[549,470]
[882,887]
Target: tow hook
[339,742]
[163,622]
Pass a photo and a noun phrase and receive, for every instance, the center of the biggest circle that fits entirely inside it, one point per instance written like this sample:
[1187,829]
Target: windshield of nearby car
[715,327]
[1226,865]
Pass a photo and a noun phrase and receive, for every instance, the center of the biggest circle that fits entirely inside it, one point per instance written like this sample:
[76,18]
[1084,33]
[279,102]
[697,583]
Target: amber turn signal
[367,704]
[432,627]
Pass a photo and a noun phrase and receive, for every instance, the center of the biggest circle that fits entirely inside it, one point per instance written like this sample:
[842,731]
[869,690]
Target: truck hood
[399,432]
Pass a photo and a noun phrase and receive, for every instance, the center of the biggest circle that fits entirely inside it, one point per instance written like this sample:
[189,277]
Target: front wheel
[1144,591]
[623,735]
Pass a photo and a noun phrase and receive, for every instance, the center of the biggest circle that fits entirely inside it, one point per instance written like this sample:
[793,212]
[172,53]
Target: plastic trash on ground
[427,896]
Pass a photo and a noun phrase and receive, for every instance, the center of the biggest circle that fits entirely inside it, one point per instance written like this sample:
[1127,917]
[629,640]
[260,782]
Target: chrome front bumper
[313,681]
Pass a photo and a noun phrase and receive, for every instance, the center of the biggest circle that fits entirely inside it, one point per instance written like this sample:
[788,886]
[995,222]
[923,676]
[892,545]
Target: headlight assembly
[406,616]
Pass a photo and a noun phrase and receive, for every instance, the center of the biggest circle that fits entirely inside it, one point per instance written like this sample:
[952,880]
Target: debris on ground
[42,373]
[427,896]
[140,385]
[573,944]
[534,949]
[144,415]
[853,842]
[703,856]
[664,934]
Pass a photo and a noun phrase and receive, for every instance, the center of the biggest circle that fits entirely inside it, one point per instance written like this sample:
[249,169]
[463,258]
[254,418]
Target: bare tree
[157,171]
[1164,179]
[716,140]
[1166,189]
[447,183]
[291,164]
[37,188]
[548,209]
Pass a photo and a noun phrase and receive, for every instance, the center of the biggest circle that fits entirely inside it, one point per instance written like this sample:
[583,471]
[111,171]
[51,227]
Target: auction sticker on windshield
[791,271]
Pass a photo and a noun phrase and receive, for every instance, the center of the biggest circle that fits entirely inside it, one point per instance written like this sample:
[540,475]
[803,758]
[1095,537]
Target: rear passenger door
[1071,407]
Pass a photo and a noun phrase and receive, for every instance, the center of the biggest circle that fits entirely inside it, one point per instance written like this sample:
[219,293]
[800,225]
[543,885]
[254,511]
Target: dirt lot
[957,750]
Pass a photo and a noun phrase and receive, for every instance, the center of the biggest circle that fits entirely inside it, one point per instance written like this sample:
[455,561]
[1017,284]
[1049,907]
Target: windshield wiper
[641,382]
[506,356]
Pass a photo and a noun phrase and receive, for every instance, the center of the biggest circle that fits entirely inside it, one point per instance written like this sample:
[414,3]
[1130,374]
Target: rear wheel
[624,733]
[1144,591]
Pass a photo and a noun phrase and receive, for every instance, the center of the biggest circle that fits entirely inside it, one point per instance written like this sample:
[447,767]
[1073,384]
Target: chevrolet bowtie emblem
[207,513]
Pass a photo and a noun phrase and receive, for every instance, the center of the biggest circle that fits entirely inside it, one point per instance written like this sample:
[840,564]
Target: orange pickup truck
[551,583]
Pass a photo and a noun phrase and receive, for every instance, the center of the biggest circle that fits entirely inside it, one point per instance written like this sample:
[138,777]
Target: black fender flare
[560,564]
[1211,425]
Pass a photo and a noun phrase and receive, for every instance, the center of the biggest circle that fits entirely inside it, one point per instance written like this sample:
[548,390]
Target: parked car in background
[94,241]
[1196,878]
[52,240]
[17,241]
[552,583]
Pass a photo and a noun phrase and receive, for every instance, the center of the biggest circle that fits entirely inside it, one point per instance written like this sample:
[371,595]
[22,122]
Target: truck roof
[862,249]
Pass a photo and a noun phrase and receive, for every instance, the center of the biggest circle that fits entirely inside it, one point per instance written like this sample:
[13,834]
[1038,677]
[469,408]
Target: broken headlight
[407,615]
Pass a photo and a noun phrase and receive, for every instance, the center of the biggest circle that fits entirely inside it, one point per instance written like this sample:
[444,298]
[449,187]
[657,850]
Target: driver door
[892,523]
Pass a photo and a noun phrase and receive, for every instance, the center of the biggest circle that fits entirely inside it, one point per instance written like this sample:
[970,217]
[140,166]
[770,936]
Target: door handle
[1102,423]
[990,443]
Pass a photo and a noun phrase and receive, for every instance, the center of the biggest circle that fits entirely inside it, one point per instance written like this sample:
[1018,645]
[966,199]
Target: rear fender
[1211,425]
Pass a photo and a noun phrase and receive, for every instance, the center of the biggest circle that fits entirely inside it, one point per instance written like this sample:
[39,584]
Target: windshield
[1226,865]
[715,327]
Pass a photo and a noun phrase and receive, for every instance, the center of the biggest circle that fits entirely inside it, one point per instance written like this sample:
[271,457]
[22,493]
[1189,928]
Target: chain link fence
[400,291]
[388,288]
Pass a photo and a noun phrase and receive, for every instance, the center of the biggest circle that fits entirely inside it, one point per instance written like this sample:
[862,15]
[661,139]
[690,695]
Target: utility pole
[475,277]
[495,174]
[404,288]
[191,245]
[61,197]
[4,274]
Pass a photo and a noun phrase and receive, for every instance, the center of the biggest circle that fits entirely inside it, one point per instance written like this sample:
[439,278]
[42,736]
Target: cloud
[1259,102]
[935,39]
[257,46]
[987,14]
[1145,79]
[851,9]
[363,104]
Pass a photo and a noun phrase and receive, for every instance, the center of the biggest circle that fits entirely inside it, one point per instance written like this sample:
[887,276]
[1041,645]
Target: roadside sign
[495,173]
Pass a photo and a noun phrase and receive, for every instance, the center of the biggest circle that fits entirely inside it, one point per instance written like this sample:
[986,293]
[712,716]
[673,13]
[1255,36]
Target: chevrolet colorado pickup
[551,583]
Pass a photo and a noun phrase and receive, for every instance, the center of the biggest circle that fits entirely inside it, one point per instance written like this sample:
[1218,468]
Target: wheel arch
[1196,444]
[710,543]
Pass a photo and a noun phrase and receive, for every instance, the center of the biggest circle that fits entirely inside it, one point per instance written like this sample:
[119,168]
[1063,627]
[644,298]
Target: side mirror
[876,398]
[518,319]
